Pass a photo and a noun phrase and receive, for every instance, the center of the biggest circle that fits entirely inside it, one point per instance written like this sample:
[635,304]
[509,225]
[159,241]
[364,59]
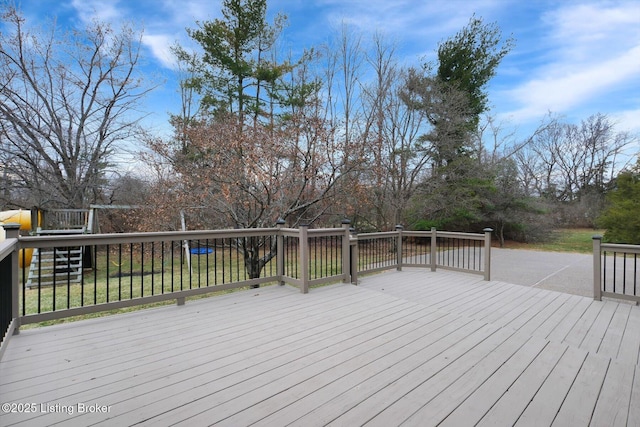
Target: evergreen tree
[237,73]
[468,61]
[466,64]
[452,95]
[621,219]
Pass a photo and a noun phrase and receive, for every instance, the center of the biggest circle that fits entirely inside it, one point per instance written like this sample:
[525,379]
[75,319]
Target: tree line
[339,131]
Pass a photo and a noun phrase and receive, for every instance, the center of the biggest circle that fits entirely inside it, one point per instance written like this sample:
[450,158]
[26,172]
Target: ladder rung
[62,266]
[57,260]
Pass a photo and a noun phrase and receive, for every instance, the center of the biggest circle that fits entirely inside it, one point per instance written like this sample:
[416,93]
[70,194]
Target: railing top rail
[454,234]
[290,232]
[324,232]
[117,238]
[450,234]
[617,247]
[416,233]
[7,246]
[377,234]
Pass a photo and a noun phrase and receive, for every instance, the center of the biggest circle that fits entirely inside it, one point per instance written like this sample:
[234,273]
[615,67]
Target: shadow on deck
[413,347]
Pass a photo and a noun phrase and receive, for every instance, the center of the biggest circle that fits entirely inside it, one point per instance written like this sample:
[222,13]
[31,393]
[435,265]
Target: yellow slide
[22,217]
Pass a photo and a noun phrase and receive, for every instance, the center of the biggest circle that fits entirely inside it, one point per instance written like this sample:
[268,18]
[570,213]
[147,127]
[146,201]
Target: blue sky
[574,58]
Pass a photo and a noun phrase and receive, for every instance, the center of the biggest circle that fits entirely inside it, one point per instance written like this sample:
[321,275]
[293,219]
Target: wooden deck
[414,348]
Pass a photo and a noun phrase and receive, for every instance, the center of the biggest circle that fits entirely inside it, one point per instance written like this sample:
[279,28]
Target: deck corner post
[280,252]
[487,253]
[12,231]
[304,258]
[434,248]
[399,229]
[597,268]
[353,253]
[346,251]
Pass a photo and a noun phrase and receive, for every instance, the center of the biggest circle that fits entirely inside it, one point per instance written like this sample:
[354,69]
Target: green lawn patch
[564,240]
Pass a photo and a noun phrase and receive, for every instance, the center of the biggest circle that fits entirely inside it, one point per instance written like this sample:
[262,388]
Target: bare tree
[397,158]
[66,101]
[566,161]
[573,165]
[251,179]
[341,64]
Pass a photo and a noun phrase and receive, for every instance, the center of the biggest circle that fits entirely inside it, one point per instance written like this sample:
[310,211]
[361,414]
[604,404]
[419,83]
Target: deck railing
[121,270]
[468,252]
[616,271]
[321,260]
[9,311]
[71,275]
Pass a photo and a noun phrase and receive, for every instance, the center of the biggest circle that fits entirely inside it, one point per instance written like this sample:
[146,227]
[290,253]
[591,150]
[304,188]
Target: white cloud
[183,14]
[566,87]
[408,19]
[105,11]
[164,25]
[587,24]
[628,121]
[160,46]
[591,49]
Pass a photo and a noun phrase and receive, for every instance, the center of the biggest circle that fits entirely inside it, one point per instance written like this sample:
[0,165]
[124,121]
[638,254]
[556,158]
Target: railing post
[434,248]
[12,231]
[280,252]
[346,246]
[597,268]
[487,253]
[304,258]
[399,229]
[353,251]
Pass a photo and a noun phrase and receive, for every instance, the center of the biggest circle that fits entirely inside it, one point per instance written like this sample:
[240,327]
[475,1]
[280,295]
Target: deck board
[612,338]
[228,366]
[394,401]
[581,400]
[549,326]
[546,403]
[612,408]
[413,347]
[594,337]
[466,400]
[261,375]
[229,351]
[293,409]
[630,345]
[354,369]
[292,379]
[634,408]
[511,405]
[155,344]
[372,389]
[533,324]
[563,326]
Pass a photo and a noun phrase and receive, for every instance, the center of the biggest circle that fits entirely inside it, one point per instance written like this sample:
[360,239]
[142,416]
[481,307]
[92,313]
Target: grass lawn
[564,240]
